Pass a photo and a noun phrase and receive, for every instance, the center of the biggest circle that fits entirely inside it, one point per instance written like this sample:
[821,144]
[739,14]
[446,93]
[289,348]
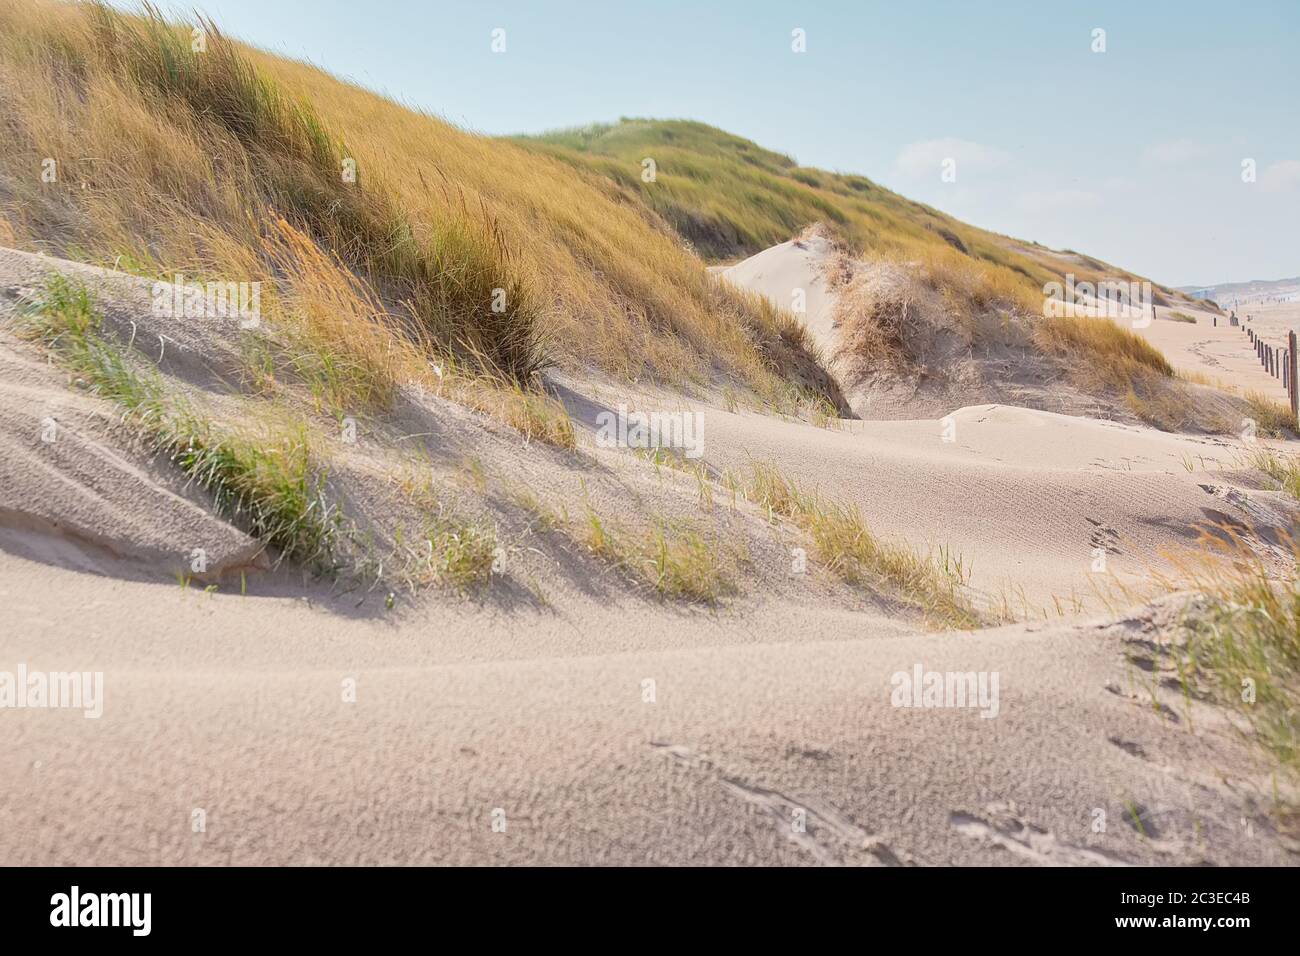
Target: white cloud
[1281,177]
[1173,153]
[926,157]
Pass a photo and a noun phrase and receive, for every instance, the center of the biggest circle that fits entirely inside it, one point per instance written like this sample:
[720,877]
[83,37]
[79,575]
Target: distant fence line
[1281,363]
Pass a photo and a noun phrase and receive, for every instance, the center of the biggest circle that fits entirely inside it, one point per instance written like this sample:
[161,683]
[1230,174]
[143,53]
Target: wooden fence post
[1295,387]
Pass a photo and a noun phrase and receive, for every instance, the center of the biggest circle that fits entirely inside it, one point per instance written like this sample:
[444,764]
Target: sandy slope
[771,709]
[1136,492]
[72,489]
[1023,496]
[788,269]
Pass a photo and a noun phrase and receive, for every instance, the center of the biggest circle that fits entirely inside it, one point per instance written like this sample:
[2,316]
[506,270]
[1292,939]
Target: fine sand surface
[608,726]
[1024,497]
[234,706]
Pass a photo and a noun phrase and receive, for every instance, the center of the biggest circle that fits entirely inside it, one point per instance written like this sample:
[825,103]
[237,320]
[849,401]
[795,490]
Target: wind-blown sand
[766,733]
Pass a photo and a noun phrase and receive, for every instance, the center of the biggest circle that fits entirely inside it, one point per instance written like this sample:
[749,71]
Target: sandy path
[1222,353]
[1272,320]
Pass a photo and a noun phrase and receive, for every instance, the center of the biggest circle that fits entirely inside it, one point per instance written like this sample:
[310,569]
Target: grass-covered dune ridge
[731,197]
[387,238]
[167,158]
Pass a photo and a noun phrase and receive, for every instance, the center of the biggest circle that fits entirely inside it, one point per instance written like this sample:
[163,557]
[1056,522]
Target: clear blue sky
[1133,155]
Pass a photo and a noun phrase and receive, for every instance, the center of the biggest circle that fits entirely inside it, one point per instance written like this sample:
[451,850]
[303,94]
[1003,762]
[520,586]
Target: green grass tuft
[264,483]
[1243,647]
[461,554]
[678,563]
[1284,469]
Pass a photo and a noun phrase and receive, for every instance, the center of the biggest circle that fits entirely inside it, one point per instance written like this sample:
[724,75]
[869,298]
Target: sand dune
[608,727]
[779,271]
[1024,496]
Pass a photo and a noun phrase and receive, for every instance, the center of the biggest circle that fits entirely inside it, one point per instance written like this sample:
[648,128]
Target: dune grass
[1284,469]
[261,479]
[296,163]
[731,197]
[1273,419]
[470,246]
[1243,647]
[460,554]
[678,563]
[846,546]
[1115,354]
[1102,357]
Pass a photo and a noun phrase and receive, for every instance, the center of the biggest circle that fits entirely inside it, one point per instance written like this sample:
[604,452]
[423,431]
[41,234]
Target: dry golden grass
[1273,419]
[847,547]
[176,161]
[678,563]
[1102,357]
[1209,381]
[1114,354]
